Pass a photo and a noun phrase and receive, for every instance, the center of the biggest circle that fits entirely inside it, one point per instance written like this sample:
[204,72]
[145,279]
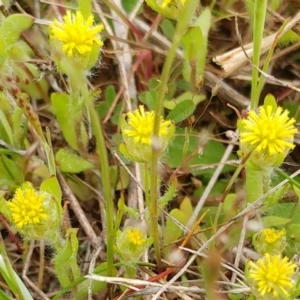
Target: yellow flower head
[272,276]
[268,132]
[135,236]
[271,236]
[270,241]
[168,8]
[166,3]
[137,131]
[27,207]
[131,243]
[76,34]
[35,214]
[141,126]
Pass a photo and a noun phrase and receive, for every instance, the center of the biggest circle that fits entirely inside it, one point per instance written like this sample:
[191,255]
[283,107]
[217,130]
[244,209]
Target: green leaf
[235,296]
[294,230]
[182,111]
[3,51]
[204,21]
[297,192]
[36,86]
[270,101]
[192,45]
[120,177]
[104,107]
[117,114]
[97,286]
[12,27]
[171,104]
[172,231]
[71,163]
[167,28]
[270,221]
[80,190]
[65,260]
[19,131]
[286,210]
[129,5]
[231,206]
[149,99]
[187,208]
[218,188]
[85,7]
[13,281]
[51,186]
[169,194]
[5,130]
[292,107]
[93,57]
[211,154]
[67,114]
[10,170]
[4,296]
[195,49]
[153,84]
[109,96]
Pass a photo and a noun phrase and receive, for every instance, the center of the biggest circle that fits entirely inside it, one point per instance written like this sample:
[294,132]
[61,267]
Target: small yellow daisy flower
[267,131]
[272,276]
[141,125]
[76,34]
[27,207]
[137,132]
[135,236]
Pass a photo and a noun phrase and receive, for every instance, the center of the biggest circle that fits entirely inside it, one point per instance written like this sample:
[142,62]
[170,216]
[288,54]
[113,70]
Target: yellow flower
[168,8]
[76,34]
[137,132]
[270,241]
[272,276]
[269,132]
[170,2]
[271,236]
[131,243]
[27,207]
[141,126]
[135,236]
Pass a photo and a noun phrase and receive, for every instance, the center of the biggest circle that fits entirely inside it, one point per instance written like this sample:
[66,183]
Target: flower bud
[131,244]
[270,240]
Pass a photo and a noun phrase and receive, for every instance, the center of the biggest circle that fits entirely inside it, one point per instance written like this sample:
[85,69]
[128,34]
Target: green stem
[77,82]
[145,169]
[260,7]
[257,183]
[107,190]
[269,56]
[286,176]
[181,27]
